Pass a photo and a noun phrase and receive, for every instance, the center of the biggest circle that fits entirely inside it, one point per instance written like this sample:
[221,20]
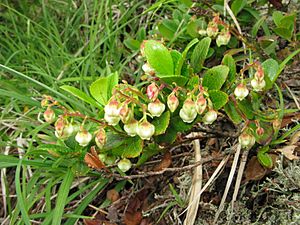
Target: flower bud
[124,165]
[210,116]
[241,92]
[59,126]
[148,70]
[44,102]
[201,104]
[152,91]
[260,131]
[188,112]
[156,108]
[100,138]
[131,128]
[172,102]
[212,29]
[145,129]
[49,115]
[125,113]
[259,74]
[258,85]
[83,138]
[202,32]
[223,38]
[246,140]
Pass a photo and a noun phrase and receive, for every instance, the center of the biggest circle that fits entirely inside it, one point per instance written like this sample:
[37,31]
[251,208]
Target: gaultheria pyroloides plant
[179,94]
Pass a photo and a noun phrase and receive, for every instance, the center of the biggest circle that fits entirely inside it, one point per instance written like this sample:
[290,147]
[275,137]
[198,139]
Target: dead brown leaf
[288,152]
[112,195]
[254,170]
[295,138]
[165,162]
[287,119]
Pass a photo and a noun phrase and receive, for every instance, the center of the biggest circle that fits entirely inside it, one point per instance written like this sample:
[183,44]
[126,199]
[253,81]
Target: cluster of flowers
[258,83]
[212,30]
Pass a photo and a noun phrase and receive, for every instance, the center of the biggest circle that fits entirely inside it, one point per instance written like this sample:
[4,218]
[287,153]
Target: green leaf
[270,67]
[229,61]
[130,148]
[246,107]
[179,80]
[264,158]
[61,150]
[132,44]
[168,28]
[181,61]
[277,16]
[149,151]
[194,26]
[215,77]
[159,58]
[284,32]
[161,123]
[62,197]
[218,98]
[237,6]
[101,89]
[232,113]
[257,25]
[81,95]
[200,53]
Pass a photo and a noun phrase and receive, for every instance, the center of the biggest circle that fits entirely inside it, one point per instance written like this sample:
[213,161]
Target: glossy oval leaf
[159,58]
[215,77]
[130,148]
[270,67]
[81,95]
[161,123]
[218,98]
[200,53]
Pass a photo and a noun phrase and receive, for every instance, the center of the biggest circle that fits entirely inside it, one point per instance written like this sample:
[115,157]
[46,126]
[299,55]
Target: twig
[238,181]
[155,173]
[196,187]
[208,183]
[293,96]
[229,181]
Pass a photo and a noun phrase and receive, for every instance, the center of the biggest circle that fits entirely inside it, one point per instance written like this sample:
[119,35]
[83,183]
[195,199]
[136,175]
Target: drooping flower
[210,116]
[145,129]
[131,127]
[83,137]
[201,104]
[246,140]
[124,165]
[188,111]
[223,38]
[100,138]
[49,115]
[172,102]
[241,92]
[152,91]
[156,108]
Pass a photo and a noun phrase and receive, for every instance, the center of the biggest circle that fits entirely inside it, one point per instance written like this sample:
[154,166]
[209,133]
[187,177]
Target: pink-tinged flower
[223,38]
[246,140]
[241,92]
[59,126]
[112,108]
[124,165]
[152,91]
[201,104]
[212,29]
[156,108]
[131,128]
[100,138]
[258,85]
[83,138]
[210,116]
[49,115]
[172,102]
[188,111]
[125,113]
[259,74]
[145,129]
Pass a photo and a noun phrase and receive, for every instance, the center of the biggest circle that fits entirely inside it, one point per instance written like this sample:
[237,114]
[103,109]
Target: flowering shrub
[176,96]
